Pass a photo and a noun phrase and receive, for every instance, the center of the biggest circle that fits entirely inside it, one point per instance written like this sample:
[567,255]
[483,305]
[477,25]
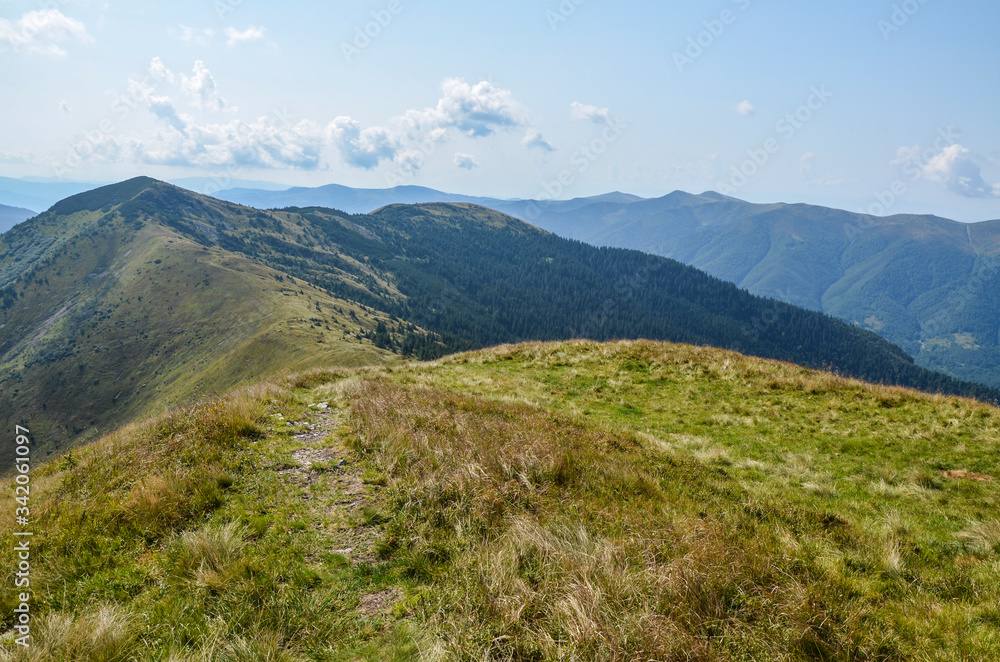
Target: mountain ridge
[110,301]
[851,266]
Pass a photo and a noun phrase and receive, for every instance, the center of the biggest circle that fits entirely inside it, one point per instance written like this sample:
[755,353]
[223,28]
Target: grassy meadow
[563,501]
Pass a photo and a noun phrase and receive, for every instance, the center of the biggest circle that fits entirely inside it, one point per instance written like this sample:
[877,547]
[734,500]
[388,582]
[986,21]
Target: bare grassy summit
[561,501]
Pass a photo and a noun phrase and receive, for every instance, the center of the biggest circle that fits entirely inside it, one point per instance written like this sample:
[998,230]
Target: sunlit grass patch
[619,501]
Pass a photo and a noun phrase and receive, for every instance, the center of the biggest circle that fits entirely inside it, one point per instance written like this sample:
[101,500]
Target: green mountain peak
[106,196]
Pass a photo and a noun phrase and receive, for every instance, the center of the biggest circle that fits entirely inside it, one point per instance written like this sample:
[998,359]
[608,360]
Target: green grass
[575,501]
[145,337]
[181,539]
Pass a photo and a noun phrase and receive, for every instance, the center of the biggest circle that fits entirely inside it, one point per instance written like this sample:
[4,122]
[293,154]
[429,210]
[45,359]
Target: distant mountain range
[928,284]
[138,296]
[38,193]
[344,198]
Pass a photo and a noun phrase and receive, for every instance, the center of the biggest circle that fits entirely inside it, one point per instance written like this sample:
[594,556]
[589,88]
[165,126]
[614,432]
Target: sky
[881,106]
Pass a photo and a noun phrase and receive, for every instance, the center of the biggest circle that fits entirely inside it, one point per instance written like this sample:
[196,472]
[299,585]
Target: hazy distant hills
[344,198]
[37,193]
[131,298]
[926,283]
[11,216]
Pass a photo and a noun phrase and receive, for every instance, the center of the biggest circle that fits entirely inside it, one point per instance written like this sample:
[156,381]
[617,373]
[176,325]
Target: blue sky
[887,106]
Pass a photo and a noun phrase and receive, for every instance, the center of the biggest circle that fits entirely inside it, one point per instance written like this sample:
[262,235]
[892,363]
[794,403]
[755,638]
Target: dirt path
[331,482]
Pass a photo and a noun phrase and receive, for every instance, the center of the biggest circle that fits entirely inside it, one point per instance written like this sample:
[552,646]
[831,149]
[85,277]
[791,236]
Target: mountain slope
[619,501]
[925,283]
[475,275]
[142,294]
[11,216]
[104,319]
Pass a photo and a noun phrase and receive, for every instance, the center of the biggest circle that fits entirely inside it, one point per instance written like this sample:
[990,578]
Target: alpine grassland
[612,501]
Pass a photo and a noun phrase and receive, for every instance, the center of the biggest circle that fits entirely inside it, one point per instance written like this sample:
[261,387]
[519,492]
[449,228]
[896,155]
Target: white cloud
[805,164]
[409,160]
[534,139]
[466,161]
[179,139]
[192,36]
[40,31]
[268,143]
[581,111]
[204,91]
[250,34]
[159,71]
[475,110]
[160,105]
[906,155]
[362,149]
[745,108]
[954,167]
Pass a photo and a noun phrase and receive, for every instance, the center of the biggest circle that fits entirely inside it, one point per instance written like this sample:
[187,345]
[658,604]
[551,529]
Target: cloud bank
[41,31]
[179,138]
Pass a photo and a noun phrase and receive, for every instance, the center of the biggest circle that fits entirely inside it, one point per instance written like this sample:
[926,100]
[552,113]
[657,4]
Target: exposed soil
[961,474]
[377,603]
[322,458]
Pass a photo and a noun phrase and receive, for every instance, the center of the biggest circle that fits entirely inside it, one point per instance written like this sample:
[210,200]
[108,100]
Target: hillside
[11,216]
[925,283]
[624,501]
[481,278]
[144,295]
[105,318]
